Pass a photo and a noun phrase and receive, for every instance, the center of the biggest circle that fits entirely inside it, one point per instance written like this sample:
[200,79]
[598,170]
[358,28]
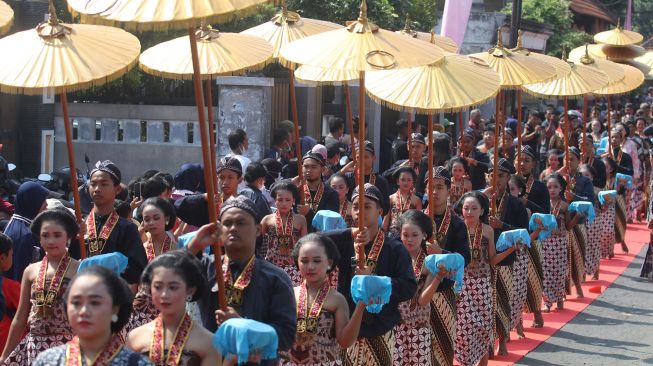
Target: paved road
[616,329]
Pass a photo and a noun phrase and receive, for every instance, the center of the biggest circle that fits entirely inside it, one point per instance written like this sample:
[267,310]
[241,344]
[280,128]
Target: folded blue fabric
[242,337]
[548,221]
[627,178]
[117,262]
[584,207]
[600,151]
[509,238]
[603,194]
[365,287]
[185,239]
[328,220]
[603,143]
[452,262]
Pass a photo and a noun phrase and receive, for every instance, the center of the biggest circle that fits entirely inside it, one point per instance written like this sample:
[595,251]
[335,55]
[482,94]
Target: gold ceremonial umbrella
[6,17]
[160,14]
[633,79]
[443,42]
[220,54]
[285,27]
[562,69]
[515,70]
[361,46]
[647,59]
[450,85]
[65,57]
[581,80]
[644,68]
[594,50]
[618,37]
[163,14]
[622,53]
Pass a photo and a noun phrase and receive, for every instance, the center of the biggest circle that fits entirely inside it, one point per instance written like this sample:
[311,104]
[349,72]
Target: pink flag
[454,19]
[628,23]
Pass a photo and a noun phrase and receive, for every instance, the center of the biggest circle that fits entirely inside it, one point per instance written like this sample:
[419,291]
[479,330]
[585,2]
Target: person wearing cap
[536,197]
[351,171]
[254,288]
[414,161]
[449,236]
[478,162]
[488,140]
[384,256]
[533,133]
[106,231]
[317,195]
[506,145]
[510,214]
[255,178]
[587,150]
[194,209]
[30,201]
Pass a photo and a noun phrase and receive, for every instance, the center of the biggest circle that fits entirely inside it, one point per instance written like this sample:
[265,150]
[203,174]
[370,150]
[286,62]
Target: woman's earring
[189,298]
[114,318]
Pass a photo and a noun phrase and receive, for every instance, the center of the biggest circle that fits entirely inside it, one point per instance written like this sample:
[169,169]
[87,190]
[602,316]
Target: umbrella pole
[519,122]
[582,151]
[295,119]
[460,124]
[73,171]
[567,133]
[209,107]
[503,125]
[206,158]
[410,133]
[429,118]
[350,122]
[493,203]
[361,172]
[608,128]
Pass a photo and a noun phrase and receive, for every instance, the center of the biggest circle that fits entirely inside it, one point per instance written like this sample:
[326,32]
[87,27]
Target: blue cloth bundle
[627,178]
[584,207]
[117,262]
[548,221]
[328,220]
[452,262]
[603,194]
[365,287]
[242,337]
[509,238]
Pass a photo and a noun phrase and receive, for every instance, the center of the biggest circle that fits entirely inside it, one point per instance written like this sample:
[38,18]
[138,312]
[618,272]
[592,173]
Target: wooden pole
[295,119]
[350,122]
[493,203]
[585,115]
[209,107]
[206,159]
[567,136]
[429,143]
[503,124]
[410,133]
[519,122]
[460,124]
[608,127]
[73,171]
[361,170]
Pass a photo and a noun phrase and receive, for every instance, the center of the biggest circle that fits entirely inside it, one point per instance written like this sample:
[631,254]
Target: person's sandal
[538,321]
[624,247]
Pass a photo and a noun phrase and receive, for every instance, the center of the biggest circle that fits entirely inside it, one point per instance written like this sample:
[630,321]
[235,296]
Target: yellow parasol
[619,53]
[220,54]
[160,14]
[452,84]
[632,80]
[361,46]
[65,57]
[443,42]
[283,28]
[163,14]
[647,59]
[6,17]
[515,70]
[618,37]
[562,69]
[644,68]
[581,80]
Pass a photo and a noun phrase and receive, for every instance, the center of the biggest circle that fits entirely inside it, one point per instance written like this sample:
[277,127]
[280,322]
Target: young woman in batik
[338,182]
[460,183]
[608,212]
[413,336]
[402,200]
[517,187]
[476,306]
[594,230]
[41,310]
[173,338]
[282,229]
[98,307]
[158,219]
[324,327]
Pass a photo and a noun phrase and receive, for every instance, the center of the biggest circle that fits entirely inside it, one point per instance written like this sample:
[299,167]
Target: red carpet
[637,236]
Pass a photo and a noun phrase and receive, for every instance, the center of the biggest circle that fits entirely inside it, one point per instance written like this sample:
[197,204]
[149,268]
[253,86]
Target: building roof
[593,9]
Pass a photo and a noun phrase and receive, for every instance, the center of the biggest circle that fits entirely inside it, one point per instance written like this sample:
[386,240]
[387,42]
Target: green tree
[555,13]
